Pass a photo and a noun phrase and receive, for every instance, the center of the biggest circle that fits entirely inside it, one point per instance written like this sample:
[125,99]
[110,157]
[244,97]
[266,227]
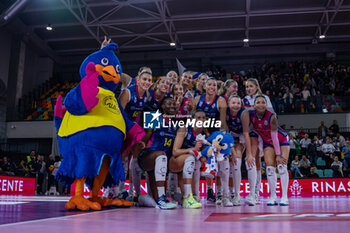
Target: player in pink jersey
[253,90]
[276,148]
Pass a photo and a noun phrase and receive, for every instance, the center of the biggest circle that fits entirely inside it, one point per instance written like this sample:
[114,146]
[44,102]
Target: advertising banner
[10,185]
[297,187]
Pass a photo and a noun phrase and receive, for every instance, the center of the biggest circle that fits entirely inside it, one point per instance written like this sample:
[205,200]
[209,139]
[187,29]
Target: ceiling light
[48,27]
[322,36]
[172,44]
[246,40]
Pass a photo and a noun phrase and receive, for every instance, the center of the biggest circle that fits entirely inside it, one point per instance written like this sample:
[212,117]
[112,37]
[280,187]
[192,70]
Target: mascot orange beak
[108,73]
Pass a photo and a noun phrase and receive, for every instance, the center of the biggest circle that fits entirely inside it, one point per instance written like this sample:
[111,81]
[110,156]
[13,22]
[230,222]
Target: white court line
[12,202]
[55,218]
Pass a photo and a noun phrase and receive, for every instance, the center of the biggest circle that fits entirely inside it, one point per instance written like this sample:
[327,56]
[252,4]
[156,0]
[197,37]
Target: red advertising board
[10,185]
[297,187]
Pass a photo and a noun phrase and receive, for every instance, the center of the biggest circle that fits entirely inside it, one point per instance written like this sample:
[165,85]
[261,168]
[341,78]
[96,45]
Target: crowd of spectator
[35,166]
[328,152]
[301,87]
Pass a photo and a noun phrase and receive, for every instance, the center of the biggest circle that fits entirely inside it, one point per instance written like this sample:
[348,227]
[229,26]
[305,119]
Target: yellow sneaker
[190,203]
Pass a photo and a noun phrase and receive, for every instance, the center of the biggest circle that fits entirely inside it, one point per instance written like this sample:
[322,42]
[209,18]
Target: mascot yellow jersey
[105,113]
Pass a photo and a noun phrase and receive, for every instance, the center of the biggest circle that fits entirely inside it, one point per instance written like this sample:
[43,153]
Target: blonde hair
[172,71]
[200,87]
[256,83]
[155,84]
[223,88]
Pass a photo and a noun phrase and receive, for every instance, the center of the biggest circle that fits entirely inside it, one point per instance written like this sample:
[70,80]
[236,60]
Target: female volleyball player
[276,148]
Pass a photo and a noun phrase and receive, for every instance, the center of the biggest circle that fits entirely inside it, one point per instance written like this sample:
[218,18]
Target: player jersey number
[168,141]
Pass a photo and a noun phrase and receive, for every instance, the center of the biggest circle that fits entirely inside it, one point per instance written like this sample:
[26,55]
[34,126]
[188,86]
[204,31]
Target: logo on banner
[295,188]
[152,120]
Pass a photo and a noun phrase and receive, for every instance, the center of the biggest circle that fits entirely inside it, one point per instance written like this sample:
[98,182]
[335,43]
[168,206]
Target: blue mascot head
[226,141]
[107,65]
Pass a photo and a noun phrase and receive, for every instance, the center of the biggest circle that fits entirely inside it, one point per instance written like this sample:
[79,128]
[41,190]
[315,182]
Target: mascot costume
[92,127]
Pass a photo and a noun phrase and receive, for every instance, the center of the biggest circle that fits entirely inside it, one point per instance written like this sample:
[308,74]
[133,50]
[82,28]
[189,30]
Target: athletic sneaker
[250,200]
[257,199]
[190,203]
[272,201]
[123,194]
[164,204]
[218,199]
[210,195]
[226,202]
[197,198]
[236,200]
[284,202]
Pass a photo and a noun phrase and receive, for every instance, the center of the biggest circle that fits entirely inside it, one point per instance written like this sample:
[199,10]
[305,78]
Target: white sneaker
[237,200]
[272,201]
[165,204]
[257,199]
[218,200]
[284,201]
[251,201]
[226,202]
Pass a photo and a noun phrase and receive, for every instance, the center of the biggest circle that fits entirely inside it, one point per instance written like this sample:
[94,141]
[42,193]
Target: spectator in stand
[341,140]
[304,165]
[322,131]
[336,145]
[296,167]
[304,144]
[288,100]
[346,152]
[39,169]
[312,173]
[292,146]
[280,103]
[297,100]
[318,146]
[292,131]
[8,168]
[306,99]
[337,167]
[30,163]
[312,152]
[334,128]
[56,166]
[49,168]
[301,133]
[319,102]
[333,102]
[327,149]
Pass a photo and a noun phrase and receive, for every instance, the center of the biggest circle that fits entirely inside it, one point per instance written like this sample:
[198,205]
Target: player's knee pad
[188,168]
[224,166]
[282,169]
[270,170]
[160,167]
